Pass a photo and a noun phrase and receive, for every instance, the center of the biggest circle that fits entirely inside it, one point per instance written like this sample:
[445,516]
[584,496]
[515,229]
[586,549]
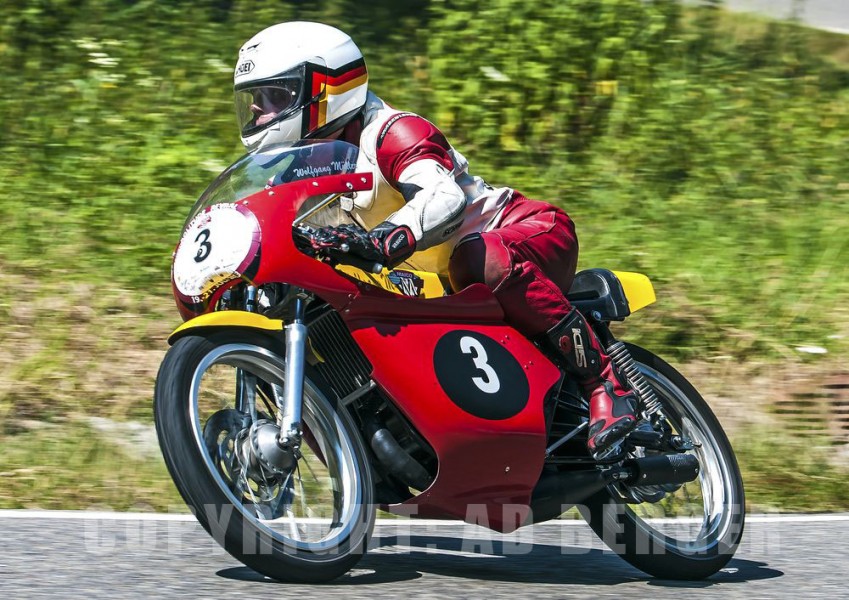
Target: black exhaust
[558,491]
[662,469]
[394,458]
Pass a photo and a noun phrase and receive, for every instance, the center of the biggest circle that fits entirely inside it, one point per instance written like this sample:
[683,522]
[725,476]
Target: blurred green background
[705,149]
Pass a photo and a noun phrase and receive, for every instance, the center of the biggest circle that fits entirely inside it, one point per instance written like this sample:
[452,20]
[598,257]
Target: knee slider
[478,258]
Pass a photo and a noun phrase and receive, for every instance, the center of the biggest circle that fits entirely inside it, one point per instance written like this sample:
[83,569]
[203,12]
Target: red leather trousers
[528,261]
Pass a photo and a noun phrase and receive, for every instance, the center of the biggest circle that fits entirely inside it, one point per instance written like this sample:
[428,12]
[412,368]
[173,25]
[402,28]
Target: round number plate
[218,245]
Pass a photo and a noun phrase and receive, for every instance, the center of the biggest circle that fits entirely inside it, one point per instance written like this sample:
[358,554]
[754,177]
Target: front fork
[289,397]
[289,418]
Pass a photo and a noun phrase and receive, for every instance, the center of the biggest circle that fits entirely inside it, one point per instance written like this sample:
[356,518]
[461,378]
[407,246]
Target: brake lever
[303,233]
[302,236]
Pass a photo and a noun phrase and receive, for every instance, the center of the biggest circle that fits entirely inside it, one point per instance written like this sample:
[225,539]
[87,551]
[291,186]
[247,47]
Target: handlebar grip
[361,263]
[303,237]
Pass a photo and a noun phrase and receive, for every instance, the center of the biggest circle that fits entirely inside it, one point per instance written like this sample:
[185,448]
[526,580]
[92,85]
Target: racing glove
[387,244]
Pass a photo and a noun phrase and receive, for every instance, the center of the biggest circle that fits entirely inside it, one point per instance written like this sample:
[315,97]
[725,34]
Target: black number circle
[205,247]
[480,376]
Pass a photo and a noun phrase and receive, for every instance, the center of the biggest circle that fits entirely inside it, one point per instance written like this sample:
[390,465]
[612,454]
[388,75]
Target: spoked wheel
[687,531]
[301,516]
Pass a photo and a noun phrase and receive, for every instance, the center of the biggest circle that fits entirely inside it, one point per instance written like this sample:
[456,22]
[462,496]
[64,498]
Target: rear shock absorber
[623,360]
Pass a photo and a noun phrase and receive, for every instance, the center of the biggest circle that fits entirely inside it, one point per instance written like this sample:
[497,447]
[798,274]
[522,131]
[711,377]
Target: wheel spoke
[306,463]
[291,500]
[303,493]
[281,495]
[700,513]
[293,526]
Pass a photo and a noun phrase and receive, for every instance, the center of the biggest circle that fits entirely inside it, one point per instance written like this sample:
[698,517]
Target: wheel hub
[263,453]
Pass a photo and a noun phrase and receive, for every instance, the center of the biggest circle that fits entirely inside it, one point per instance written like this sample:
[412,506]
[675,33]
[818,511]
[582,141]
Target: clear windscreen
[278,165]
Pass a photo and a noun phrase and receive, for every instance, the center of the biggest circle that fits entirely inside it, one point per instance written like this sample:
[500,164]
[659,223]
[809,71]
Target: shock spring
[623,360]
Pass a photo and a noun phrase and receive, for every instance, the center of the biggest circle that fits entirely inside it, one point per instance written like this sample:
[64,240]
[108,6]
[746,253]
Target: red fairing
[475,390]
[281,260]
[406,138]
[473,386]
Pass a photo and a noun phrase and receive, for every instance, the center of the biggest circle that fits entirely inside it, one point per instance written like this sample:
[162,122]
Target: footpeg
[646,438]
[613,453]
[682,444]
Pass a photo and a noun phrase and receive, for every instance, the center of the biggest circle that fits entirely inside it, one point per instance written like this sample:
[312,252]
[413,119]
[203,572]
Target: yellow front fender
[227,318]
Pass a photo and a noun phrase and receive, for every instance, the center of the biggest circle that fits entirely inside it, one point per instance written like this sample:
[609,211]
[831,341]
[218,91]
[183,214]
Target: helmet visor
[264,102]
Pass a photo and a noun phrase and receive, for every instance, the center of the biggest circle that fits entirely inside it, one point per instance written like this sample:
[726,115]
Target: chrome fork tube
[293,383]
[246,384]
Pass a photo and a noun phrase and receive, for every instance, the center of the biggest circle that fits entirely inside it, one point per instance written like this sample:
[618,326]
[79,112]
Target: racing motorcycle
[299,395]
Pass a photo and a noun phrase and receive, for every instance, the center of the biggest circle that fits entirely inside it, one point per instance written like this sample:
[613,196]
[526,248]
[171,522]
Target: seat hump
[599,290]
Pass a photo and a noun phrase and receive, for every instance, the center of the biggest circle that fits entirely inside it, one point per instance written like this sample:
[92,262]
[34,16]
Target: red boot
[612,404]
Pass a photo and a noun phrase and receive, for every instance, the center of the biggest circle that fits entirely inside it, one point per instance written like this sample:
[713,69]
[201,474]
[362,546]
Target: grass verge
[75,466]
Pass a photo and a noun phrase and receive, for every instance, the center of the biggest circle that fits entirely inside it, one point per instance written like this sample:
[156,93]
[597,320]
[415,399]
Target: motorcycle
[299,395]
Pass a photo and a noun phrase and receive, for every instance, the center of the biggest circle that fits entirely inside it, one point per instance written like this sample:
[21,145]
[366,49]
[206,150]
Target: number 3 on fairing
[488,384]
[205,247]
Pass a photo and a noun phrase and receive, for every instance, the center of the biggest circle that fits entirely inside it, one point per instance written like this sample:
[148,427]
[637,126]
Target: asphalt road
[87,555]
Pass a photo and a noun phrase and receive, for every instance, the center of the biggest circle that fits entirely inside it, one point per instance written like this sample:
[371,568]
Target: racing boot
[612,403]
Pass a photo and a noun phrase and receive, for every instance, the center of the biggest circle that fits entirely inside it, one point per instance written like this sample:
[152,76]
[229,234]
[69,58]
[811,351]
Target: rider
[301,80]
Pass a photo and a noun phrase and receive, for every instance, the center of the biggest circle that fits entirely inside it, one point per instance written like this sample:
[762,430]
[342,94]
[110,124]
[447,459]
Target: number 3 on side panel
[488,384]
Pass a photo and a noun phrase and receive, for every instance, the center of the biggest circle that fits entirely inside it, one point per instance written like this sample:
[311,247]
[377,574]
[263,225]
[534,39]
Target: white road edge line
[90,515]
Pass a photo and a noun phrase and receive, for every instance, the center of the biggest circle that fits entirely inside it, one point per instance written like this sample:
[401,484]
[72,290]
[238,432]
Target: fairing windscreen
[278,165]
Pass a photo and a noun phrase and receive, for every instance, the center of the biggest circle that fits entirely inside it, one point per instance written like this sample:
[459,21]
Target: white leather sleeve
[435,203]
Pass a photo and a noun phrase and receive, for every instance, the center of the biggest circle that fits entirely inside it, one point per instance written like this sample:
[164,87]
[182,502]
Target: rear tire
[714,509]
[264,524]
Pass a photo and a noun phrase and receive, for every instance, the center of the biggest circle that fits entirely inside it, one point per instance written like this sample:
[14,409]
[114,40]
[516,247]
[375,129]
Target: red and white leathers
[422,182]
[525,251]
[298,80]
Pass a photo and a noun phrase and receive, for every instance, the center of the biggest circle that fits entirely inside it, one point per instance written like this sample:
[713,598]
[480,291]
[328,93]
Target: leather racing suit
[525,251]
[465,230]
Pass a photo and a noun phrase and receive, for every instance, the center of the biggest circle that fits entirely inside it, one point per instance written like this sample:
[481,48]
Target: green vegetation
[704,149]
[789,473]
[75,466]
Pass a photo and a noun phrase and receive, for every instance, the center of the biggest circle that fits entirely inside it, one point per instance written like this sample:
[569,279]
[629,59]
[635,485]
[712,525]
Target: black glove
[396,242]
[386,244]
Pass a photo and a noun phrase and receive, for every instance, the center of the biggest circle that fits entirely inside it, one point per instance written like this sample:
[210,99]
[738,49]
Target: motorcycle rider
[301,80]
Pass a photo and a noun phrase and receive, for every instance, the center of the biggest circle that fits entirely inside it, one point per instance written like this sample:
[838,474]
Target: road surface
[108,555]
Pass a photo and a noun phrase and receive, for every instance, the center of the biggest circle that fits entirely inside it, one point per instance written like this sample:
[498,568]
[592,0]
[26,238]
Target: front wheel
[676,532]
[307,521]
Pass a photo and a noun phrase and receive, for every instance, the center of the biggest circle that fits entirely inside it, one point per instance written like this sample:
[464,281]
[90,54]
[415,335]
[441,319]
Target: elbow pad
[435,203]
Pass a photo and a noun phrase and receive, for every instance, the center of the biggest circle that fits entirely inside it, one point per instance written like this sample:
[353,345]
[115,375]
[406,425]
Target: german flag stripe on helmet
[326,82]
[357,71]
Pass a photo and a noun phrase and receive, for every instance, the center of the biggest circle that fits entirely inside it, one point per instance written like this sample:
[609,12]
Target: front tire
[683,532]
[309,523]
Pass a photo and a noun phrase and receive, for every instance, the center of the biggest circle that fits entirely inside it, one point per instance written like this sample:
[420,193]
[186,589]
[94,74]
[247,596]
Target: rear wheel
[305,520]
[676,532]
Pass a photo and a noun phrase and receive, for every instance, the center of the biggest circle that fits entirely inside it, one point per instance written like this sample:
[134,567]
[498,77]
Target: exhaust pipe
[392,456]
[662,469]
[557,492]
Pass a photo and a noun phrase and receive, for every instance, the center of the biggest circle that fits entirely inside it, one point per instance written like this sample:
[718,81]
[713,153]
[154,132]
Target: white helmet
[297,80]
